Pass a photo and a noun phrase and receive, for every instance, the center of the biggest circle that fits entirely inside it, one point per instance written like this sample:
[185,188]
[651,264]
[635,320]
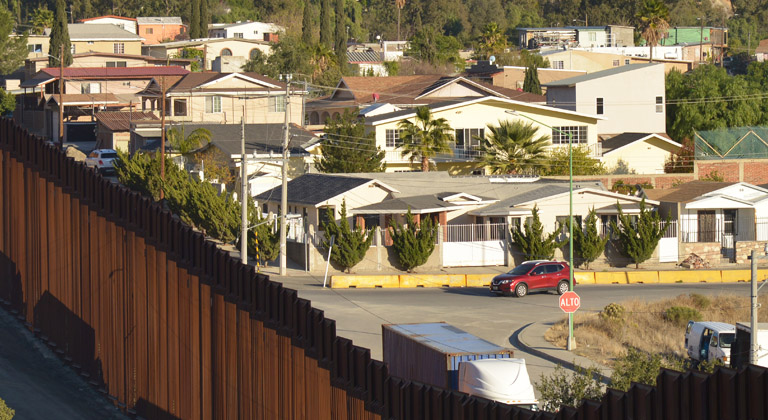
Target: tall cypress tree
[194,23]
[306,22]
[326,34]
[59,37]
[341,36]
[531,83]
[205,18]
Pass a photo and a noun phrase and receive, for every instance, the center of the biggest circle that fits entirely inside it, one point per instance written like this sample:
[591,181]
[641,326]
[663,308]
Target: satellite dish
[492,58]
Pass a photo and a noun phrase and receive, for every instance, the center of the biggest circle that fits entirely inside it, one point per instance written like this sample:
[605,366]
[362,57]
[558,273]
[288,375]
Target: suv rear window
[554,268]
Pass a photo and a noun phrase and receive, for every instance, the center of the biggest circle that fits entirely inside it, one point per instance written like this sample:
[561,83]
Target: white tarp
[503,380]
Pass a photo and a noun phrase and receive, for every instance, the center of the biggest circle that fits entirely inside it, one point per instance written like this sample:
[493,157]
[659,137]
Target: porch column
[359,221]
[387,234]
[417,219]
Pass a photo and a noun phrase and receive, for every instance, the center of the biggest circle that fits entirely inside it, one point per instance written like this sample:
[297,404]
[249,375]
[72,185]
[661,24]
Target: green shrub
[635,366]
[680,315]
[612,312]
[413,243]
[564,388]
[700,301]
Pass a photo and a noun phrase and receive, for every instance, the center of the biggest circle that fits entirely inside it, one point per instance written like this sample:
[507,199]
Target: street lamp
[571,344]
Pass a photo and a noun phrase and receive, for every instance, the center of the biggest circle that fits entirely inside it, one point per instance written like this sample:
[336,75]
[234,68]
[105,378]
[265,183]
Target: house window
[729,222]
[607,227]
[615,63]
[322,216]
[226,52]
[558,64]
[370,220]
[35,48]
[212,104]
[659,104]
[277,103]
[239,35]
[593,36]
[393,138]
[579,134]
[73,49]
[149,31]
[264,209]
[600,106]
[469,138]
[118,48]
[90,88]
[117,64]
[626,62]
[179,107]
[562,223]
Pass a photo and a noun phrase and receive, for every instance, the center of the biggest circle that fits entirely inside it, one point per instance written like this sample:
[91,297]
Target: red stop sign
[569,302]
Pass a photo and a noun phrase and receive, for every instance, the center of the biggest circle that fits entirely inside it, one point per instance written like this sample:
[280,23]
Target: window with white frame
[212,104]
[558,64]
[277,103]
[35,48]
[179,107]
[393,138]
[118,48]
[659,104]
[615,63]
[600,107]
[469,138]
[149,31]
[560,134]
[117,63]
[593,36]
[238,35]
[626,61]
[90,88]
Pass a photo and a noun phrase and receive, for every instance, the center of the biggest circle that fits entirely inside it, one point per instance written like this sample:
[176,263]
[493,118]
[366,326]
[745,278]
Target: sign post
[569,302]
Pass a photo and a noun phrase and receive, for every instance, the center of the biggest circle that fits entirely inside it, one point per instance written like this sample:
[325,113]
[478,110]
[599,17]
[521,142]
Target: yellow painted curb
[642,277]
[692,276]
[364,282]
[611,277]
[580,277]
[479,280]
[732,276]
[433,280]
[762,274]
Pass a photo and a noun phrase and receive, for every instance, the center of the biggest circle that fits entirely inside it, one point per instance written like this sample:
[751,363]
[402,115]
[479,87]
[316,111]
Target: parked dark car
[532,275]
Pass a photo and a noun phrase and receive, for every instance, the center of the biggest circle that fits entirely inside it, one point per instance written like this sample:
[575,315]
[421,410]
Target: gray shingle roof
[533,192]
[313,189]
[159,20]
[600,74]
[621,140]
[260,138]
[417,204]
[99,31]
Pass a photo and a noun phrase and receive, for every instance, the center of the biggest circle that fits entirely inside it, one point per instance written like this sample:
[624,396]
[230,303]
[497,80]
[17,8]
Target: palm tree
[185,144]
[425,138]
[653,25]
[399,4]
[492,41]
[512,147]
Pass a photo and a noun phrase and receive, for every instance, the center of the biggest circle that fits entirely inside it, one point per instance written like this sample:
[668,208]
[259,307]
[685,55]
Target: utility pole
[244,194]
[61,97]
[284,189]
[162,137]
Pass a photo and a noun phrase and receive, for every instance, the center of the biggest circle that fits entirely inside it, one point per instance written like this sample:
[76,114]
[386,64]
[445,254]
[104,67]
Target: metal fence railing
[475,232]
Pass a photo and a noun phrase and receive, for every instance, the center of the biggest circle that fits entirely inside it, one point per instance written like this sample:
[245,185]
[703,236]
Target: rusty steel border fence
[168,325]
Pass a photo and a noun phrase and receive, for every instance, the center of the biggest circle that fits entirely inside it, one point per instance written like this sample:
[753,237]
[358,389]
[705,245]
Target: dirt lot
[35,383]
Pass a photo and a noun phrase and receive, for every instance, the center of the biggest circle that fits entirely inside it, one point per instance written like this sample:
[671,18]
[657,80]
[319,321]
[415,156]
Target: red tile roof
[93,72]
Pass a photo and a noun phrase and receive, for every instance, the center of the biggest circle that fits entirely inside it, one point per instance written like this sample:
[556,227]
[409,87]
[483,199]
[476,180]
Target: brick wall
[729,171]
[708,251]
[744,250]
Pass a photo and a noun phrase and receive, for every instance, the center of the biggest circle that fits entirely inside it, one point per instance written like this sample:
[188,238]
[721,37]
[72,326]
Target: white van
[502,380]
[709,341]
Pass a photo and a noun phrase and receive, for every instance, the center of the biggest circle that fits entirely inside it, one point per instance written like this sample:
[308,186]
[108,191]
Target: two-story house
[629,99]
[103,37]
[213,48]
[246,30]
[106,59]
[129,24]
[469,119]
[155,30]
[223,98]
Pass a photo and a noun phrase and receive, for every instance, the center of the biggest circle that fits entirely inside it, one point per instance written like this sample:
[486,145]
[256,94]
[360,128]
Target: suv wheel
[562,287]
[521,290]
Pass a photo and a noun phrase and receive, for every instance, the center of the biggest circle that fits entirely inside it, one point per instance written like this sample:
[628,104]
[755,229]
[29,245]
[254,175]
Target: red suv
[532,275]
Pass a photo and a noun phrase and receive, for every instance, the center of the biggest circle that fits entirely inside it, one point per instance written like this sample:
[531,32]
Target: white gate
[668,245]
[474,245]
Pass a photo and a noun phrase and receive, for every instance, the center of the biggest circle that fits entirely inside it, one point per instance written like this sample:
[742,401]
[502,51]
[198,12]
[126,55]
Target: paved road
[35,383]
[359,313]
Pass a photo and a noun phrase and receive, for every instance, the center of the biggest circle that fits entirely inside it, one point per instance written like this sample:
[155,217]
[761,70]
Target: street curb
[518,339]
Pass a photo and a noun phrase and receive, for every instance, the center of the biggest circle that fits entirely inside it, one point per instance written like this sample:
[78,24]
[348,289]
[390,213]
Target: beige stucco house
[469,118]
[603,59]
[103,37]
[645,153]
[212,48]
[102,59]
[129,24]
[513,77]
[223,98]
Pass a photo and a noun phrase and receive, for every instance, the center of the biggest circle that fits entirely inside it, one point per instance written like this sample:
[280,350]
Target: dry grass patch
[645,327]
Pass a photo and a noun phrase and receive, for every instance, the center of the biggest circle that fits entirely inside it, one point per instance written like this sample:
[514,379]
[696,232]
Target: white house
[629,98]
[129,24]
[245,30]
[645,153]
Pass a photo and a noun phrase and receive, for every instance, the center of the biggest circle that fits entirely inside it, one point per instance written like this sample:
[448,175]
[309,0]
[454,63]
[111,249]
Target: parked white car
[103,160]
